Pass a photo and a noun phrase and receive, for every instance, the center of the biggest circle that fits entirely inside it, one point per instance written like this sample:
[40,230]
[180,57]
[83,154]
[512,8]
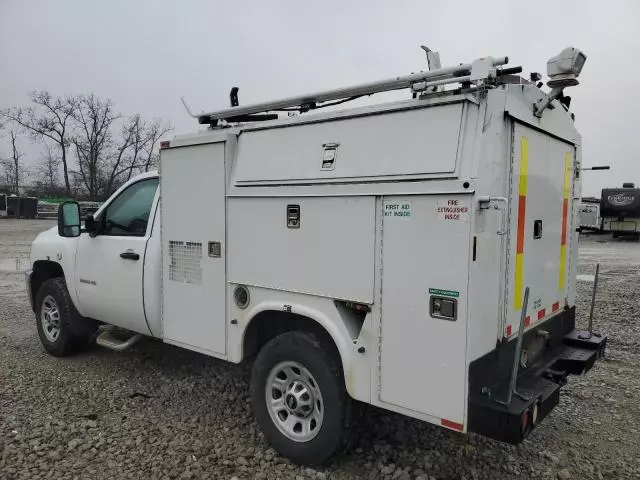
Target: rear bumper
[564,351]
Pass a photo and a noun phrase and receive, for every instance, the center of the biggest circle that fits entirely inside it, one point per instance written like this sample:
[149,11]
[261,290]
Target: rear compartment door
[425,257]
[540,227]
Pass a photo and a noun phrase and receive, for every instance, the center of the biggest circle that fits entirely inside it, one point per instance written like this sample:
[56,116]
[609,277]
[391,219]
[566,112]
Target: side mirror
[69,219]
[90,225]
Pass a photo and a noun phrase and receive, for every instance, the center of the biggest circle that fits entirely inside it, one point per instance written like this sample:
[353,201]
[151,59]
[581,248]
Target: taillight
[525,423]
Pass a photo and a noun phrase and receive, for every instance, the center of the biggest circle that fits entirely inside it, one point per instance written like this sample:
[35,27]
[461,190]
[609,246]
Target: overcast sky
[145,54]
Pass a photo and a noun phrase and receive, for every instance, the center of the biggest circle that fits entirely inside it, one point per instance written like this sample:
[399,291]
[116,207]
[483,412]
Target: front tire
[299,398]
[57,319]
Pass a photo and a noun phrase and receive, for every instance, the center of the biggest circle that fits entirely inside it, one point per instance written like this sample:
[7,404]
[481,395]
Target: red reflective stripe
[541,313]
[527,321]
[522,207]
[508,330]
[565,208]
[555,307]
[450,424]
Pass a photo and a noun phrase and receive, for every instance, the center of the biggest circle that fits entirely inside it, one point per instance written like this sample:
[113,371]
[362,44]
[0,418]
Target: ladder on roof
[478,72]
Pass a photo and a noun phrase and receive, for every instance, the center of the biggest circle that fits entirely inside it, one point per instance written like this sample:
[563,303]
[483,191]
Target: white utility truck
[418,255]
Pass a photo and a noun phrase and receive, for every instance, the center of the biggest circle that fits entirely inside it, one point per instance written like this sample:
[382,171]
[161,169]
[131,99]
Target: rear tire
[299,398]
[60,327]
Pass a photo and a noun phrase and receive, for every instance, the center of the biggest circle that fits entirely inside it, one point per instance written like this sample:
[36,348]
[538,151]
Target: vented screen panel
[185,262]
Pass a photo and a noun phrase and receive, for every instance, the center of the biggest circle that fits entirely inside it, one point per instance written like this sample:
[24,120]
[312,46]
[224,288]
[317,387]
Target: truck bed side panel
[366,147]
[193,224]
[330,253]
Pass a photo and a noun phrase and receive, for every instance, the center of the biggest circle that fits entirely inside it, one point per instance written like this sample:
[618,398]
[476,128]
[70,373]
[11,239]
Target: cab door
[109,265]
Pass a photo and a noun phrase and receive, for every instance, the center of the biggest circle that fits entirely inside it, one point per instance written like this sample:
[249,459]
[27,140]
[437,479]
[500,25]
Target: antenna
[186,107]
[433,58]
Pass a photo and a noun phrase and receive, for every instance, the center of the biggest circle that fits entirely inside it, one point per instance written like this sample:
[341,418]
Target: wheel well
[43,270]
[267,325]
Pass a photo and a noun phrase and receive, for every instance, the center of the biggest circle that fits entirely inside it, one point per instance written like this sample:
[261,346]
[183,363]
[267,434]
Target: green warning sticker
[444,293]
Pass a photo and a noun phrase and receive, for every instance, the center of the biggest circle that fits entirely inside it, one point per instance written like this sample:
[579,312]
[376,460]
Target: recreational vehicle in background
[620,211]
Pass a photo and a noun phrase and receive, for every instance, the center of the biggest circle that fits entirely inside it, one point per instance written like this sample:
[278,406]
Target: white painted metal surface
[331,254]
[153,276]
[366,147]
[535,251]
[423,364]
[193,216]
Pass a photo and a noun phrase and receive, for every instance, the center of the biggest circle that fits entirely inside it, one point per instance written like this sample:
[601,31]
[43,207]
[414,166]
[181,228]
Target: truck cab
[112,267]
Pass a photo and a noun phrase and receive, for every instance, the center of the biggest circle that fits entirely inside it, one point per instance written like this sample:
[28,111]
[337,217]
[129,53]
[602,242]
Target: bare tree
[136,149]
[16,156]
[93,140]
[129,136]
[13,170]
[48,118]
[48,171]
[155,131]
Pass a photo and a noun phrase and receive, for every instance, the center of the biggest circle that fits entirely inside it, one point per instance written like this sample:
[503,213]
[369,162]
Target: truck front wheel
[55,319]
[299,398]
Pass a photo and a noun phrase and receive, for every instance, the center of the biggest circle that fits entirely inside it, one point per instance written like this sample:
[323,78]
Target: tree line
[85,141]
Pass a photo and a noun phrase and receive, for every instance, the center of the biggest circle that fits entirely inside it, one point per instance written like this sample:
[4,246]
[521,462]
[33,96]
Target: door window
[128,214]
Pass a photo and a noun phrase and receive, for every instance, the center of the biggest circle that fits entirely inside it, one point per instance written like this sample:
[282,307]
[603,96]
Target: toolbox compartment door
[425,257]
[540,227]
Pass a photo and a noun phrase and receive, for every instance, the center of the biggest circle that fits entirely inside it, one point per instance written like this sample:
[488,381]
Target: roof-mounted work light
[563,71]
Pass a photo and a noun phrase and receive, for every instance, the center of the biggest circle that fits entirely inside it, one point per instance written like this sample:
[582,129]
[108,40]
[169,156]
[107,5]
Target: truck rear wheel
[57,319]
[299,398]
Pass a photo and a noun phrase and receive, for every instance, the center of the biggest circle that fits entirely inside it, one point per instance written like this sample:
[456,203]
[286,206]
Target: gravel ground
[156,411]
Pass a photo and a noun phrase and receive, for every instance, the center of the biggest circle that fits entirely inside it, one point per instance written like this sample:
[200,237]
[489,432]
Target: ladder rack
[478,71]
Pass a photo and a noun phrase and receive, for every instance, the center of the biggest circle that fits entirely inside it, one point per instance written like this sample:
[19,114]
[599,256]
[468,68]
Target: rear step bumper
[538,387]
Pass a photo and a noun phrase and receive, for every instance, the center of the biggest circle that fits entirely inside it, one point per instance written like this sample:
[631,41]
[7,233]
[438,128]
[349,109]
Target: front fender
[50,247]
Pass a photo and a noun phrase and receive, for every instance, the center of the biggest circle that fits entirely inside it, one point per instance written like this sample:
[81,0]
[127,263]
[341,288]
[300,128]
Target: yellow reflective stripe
[563,258]
[565,214]
[524,164]
[517,291]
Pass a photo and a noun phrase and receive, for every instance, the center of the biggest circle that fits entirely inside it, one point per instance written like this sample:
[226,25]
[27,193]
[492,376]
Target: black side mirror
[69,219]
[90,225]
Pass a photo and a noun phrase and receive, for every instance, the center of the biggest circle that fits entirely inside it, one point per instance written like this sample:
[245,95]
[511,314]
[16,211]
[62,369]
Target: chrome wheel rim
[50,318]
[294,401]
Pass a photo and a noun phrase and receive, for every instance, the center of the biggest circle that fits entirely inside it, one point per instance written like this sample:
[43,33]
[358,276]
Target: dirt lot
[156,411]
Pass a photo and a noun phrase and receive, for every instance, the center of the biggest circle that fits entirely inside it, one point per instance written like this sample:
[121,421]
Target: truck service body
[379,253]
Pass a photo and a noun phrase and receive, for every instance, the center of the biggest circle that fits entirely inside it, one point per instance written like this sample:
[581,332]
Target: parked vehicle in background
[13,206]
[589,213]
[620,211]
[413,255]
